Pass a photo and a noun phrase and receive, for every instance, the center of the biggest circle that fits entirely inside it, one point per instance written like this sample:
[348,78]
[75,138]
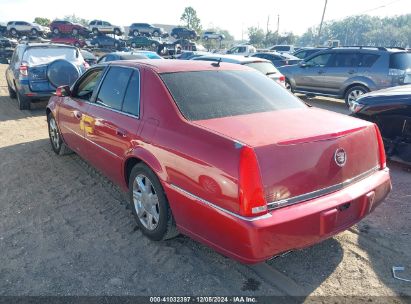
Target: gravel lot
[65,230]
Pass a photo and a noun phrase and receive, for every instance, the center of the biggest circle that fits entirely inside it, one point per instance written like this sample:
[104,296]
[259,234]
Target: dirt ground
[65,230]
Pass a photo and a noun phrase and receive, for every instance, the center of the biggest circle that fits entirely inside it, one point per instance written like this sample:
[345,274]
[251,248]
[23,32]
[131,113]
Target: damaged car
[390,109]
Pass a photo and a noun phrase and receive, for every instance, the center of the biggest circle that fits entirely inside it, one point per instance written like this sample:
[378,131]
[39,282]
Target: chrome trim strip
[102,148]
[311,195]
[209,204]
[100,105]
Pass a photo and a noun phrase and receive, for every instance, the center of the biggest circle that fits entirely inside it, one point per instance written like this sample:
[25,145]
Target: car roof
[39,44]
[233,58]
[174,66]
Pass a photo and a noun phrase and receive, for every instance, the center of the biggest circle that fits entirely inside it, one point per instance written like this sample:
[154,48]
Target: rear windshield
[42,55]
[281,48]
[267,68]
[214,94]
[400,61]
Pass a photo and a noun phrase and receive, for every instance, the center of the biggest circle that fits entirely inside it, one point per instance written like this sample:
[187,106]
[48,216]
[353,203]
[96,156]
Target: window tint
[84,89]
[213,94]
[342,60]
[114,87]
[400,61]
[131,102]
[301,55]
[320,60]
[367,60]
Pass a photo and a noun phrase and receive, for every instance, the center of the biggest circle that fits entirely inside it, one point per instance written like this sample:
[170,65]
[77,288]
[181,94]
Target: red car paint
[198,162]
[69,40]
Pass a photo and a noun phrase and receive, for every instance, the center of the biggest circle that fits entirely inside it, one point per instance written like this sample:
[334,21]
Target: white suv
[16,27]
[99,26]
[213,35]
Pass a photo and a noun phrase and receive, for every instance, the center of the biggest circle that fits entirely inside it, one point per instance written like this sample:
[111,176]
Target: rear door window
[114,86]
[131,102]
[368,60]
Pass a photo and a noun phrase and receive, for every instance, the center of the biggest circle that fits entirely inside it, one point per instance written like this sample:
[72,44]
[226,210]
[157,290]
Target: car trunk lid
[299,150]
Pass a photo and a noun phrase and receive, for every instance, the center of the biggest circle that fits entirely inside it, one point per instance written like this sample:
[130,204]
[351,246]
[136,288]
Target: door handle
[121,133]
[77,114]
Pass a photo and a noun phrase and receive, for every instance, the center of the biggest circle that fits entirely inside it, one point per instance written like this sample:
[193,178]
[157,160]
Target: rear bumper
[298,226]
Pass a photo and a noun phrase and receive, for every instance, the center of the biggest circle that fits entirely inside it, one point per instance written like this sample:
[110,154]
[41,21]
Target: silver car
[348,72]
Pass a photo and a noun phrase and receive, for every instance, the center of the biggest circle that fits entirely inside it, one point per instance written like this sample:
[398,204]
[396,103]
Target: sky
[234,16]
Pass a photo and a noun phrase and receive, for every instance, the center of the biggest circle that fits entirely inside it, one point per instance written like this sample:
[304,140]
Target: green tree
[73,18]
[42,21]
[191,20]
[256,36]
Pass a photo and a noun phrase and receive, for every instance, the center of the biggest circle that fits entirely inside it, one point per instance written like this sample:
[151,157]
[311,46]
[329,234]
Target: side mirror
[303,64]
[63,91]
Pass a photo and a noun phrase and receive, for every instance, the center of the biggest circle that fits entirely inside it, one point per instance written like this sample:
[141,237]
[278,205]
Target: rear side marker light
[251,194]
[381,149]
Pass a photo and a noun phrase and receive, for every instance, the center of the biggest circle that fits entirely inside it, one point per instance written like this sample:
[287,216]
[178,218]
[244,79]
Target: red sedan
[69,40]
[221,153]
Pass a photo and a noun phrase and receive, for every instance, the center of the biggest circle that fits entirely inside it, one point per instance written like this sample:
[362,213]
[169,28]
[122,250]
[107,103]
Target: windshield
[400,61]
[214,94]
[267,68]
[42,55]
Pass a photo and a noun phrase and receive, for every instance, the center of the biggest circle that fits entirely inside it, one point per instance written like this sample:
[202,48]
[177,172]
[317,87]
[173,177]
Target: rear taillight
[251,194]
[24,70]
[281,79]
[381,150]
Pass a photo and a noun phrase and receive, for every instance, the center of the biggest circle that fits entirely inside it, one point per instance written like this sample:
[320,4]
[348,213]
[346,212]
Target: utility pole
[321,24]
[278,27]
[268,22]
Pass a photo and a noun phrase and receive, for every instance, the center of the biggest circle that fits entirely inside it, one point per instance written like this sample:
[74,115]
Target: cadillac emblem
[340,157]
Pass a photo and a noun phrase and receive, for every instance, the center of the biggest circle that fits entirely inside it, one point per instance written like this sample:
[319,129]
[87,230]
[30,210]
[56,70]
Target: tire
[117,32]
[206,38]
[133,45]
[77,45]
[56,31]
[154,45]
[13,31]
[157,223]
[23,101]
[288,86]
[74,31]
[116,45]
[136,33]
[56,141]
[34,32]
[12,93]
[353,93]
[156,34]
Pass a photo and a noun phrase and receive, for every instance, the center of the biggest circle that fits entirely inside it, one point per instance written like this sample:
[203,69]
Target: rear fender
[358,80]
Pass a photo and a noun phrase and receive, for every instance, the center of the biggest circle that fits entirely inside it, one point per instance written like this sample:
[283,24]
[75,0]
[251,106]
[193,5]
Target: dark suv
[348,72]
[67,27]
[183,32]
[37,69]
[137,29]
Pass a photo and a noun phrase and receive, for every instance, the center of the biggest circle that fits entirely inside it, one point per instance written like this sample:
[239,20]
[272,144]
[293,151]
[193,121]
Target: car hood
[394,91]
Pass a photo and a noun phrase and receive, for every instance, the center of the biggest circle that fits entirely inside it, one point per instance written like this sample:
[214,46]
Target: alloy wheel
[146,202]
[54,133]
[353,96]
